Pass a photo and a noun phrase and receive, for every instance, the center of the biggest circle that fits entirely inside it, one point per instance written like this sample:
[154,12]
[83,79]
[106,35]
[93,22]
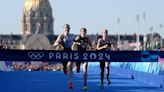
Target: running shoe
[70,85]
[85,88]
[108,81]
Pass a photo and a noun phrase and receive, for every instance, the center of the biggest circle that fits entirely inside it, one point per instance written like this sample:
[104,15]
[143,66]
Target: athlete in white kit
[65,41]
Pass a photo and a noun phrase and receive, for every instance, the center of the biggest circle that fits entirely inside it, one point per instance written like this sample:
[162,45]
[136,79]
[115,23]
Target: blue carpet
[58,82]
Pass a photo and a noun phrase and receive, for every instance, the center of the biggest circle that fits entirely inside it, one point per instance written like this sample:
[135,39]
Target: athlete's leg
[70,73]
[85,66]
[65,67]
[102,65]
[107,72]
[78,67]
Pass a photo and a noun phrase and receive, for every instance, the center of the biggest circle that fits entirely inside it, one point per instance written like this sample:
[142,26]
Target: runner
[104,44]
[65,41]
[82,43]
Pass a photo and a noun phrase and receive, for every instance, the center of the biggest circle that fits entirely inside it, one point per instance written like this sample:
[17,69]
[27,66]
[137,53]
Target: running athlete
[104,44]
[66,40]
[82,43]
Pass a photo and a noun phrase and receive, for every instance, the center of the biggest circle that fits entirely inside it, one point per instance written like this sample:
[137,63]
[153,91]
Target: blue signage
[76,56]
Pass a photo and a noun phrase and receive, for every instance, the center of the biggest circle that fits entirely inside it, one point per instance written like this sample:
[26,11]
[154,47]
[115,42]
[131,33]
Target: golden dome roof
[34,5]
[37,12]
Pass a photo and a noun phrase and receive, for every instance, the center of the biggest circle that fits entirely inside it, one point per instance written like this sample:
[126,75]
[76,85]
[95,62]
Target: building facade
[37,17]
[37,29]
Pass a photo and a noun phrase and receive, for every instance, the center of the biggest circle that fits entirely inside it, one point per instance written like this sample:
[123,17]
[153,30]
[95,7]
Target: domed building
[37,29]
[37,17]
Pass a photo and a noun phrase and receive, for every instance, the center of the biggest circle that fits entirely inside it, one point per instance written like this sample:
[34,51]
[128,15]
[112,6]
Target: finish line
[76,56]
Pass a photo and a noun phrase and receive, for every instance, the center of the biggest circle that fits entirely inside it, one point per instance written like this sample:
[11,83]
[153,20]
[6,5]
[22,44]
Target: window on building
[41,14]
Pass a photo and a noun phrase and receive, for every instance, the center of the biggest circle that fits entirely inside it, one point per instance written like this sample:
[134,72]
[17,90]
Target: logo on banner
[149,56]
[145,56]
[35,55]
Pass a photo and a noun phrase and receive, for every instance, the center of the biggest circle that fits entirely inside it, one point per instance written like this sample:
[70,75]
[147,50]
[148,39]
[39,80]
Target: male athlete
[65,41]
[104,44]
[82,43]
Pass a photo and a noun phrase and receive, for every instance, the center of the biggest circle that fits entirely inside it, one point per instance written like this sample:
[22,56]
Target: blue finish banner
[76,56]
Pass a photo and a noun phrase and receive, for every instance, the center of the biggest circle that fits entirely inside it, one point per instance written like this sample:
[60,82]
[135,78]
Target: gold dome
[35,5]
[35,13]
[29,4]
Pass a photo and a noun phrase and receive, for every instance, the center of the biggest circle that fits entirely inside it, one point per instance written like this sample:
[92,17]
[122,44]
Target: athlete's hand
[77,43]
[105,46]
[92,48]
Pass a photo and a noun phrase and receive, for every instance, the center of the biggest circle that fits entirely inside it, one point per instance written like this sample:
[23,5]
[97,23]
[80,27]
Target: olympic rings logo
[35,55]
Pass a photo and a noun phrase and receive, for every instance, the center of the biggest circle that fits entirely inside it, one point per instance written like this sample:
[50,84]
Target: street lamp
[145,37]
[118,35]
[161,26]
[151,37]
[138,37]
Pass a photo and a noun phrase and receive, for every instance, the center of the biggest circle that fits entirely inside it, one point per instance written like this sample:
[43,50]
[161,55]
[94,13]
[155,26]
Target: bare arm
[75,43]
[112,47]
[58,40]
[76,39]
[98,45]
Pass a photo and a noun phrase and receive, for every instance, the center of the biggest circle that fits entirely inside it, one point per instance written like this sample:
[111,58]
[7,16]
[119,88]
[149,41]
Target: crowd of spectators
[37,67]
[30,66]
[4,45]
